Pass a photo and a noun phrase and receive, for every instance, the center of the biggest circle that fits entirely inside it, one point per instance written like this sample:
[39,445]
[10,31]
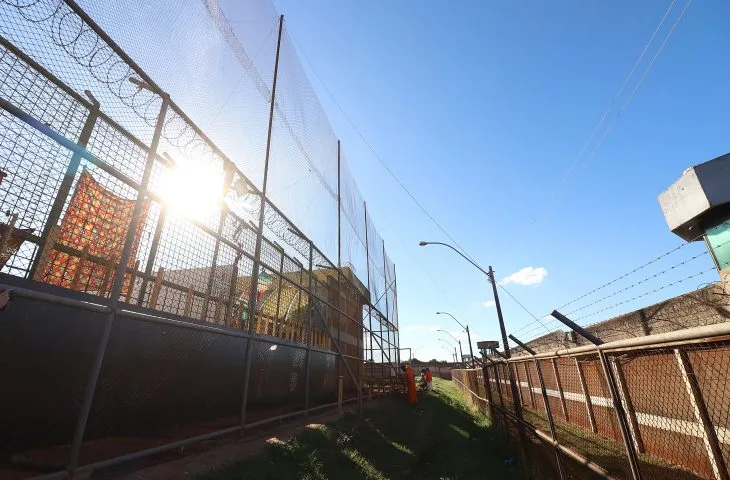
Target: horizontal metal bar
[545,438]
[55,299]
[704,333]
[64,475]
[152,451]
[147,317]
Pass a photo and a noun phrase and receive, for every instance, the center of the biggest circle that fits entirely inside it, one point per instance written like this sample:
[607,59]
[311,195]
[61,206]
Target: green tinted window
[719,240]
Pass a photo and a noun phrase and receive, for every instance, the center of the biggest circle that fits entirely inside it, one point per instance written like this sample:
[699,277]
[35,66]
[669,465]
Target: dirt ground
[190,466]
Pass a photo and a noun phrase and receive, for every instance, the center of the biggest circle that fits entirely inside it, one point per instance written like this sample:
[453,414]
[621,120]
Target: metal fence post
[310,321]
[488,392]
[259,235]
[546,401]
[560,389]
[529,385]
[622,417]
[628,405]
[612,387]
[85,409]
[584,389]
[519,381]
[709,437]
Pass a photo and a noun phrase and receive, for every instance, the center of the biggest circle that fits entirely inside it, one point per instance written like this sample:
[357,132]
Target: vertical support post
[709,437]
[488,392]
[132,279]
[621,414]
[259,234]
[153,254]
[156,288]
[188,301]
[613,388]
[85,409]
[559,384]
[277,326]
[339,253]
[310,314]
[498,380]
[586,394]
[546,402]
[551,421]
[340,390]
[529,385]
[519,382]
[513,386]
[628,405]
[227,179]
[54,214]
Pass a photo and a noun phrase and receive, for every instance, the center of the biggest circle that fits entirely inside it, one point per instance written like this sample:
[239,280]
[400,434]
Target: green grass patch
[441,438]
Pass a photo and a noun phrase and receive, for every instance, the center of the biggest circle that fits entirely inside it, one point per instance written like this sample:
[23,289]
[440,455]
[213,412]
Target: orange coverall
[411,384]
[429,377]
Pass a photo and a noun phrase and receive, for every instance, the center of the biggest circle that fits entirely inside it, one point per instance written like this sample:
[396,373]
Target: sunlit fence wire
[168,287]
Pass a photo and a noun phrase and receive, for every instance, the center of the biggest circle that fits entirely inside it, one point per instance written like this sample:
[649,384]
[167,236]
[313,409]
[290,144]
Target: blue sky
[481,108]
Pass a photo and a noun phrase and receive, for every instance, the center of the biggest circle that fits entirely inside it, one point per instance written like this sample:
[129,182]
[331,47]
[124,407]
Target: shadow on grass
[441,438]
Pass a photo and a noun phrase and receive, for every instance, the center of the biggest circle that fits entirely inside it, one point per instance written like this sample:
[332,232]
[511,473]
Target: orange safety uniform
[429,377]
[410,377]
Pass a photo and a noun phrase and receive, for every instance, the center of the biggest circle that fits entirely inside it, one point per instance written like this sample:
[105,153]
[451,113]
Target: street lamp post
[513,385]
[468,335]
[450,345]
[456,340]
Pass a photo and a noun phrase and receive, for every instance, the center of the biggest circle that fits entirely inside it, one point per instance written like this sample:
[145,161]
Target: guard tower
[697,208]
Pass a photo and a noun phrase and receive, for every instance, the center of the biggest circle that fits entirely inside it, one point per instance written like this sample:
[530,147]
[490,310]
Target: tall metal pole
[507,355]
[387,310]
[95,372]
[471,352]
[461,352]
[310,336]
[259,234]
[395,313]
[546,402]
[339,252]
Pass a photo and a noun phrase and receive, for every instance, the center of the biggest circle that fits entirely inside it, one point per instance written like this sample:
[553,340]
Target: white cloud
[526,276]
[488,304]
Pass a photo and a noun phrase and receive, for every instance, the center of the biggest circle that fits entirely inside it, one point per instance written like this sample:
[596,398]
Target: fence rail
[162,296]
[671,392]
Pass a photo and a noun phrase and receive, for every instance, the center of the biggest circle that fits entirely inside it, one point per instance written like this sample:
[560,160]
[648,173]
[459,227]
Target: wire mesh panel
[708,363]
[659,400]
[161,383]
[33,337]
[118,189]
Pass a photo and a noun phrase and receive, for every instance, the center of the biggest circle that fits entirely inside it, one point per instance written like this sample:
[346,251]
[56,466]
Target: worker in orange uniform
[429,378]
[410,378]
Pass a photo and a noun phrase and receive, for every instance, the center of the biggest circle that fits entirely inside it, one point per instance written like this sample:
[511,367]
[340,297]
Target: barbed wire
[646,293]
[640,282]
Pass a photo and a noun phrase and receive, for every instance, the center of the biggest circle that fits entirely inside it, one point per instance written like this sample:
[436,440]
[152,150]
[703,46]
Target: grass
[442,438]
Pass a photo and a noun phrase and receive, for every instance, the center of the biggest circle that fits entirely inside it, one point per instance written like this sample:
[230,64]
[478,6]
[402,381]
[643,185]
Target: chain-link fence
[169,288]
[653,407]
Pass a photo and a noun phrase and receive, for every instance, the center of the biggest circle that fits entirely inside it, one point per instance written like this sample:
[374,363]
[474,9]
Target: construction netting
[180,222]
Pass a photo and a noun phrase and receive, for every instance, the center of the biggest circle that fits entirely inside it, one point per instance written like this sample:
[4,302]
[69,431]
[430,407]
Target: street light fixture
[468,335]
[456,340]
[505,344]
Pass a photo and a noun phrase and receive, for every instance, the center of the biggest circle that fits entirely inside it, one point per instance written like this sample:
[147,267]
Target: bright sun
[192,190]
